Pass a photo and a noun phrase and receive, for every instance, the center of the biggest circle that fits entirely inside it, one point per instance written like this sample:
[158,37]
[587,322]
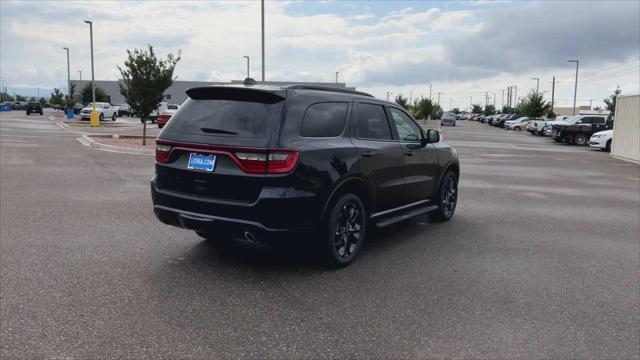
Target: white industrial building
[626,129]
[175,94]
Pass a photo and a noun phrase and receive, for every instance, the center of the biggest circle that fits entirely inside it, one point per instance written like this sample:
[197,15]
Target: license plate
[201,162]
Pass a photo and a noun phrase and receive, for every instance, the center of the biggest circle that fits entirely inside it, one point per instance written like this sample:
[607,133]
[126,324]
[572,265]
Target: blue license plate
[201,162]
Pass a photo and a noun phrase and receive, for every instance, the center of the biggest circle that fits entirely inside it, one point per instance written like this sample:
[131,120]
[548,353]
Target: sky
[464,49]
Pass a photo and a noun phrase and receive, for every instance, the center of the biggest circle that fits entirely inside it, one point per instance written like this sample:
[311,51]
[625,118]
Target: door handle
[367,154]
[408,152]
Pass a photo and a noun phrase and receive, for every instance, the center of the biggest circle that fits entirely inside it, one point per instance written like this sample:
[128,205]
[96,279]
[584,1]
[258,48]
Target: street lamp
[68,72]
[246,57]
[337,72]
[80,75]
[537,84]
[575,88]
[94,120]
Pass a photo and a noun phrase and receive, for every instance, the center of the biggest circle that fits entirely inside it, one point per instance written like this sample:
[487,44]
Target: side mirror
[433,136]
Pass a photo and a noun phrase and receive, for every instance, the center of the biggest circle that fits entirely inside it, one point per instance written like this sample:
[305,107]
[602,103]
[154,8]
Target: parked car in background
[315,164]
[602,140]
[123,110]
[507,117]
[34,107]
[448,119]
[580,131]
[597,119]
[164,118]
[77,108]
[518,124]
[536,126]
[104,110]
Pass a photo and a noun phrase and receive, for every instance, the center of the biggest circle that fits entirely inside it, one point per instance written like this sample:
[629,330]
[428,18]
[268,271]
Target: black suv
[34,108]
[263,163]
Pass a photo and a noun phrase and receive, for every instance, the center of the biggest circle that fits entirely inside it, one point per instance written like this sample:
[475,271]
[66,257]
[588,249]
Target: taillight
[162,153]
[268,162]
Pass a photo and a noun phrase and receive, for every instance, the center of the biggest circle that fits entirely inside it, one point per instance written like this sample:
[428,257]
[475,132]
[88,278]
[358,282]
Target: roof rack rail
[328,88]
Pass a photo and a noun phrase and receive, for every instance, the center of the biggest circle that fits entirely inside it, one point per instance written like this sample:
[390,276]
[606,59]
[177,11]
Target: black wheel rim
[449,197]
[348,230]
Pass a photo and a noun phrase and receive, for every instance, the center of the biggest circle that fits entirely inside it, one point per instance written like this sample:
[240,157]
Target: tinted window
[324,120]
[598,120]
[225,118]
[407,129]
[372,123]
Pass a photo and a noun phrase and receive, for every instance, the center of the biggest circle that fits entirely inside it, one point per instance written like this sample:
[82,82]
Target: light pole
[575,89]
[80,75]
[68,72]
[470,103]
[337,72]
[553,91]
[246,57]
[262,16]
[537,84]
[95,121]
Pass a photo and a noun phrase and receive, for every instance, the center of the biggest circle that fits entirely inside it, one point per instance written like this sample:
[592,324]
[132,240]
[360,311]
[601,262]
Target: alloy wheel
[348,231]
[449,197]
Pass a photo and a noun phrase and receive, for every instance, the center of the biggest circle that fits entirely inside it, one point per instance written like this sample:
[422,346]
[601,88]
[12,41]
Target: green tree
[456,111]
[489,109]
[145,78]
[20,98]
[426,108]
[101,96]
[476,109]
[507,110]
[56,98]
[70,99]
[534,105]
[402,101]
[33,99]
[611,100]
[42,101]
[6,97]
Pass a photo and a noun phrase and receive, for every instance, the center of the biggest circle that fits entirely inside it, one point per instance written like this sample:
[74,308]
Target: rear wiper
[218,131]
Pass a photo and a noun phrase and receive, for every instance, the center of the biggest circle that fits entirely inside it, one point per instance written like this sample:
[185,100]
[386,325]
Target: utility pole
[430,86]
[388,93]
[450,104]
[553,92]
[337,72]
[502,102]
[494,100]
[515,96]
[439,98]
[486,99]
[470,103]
[590,103]
[575,89]
[410,97]
[262,17]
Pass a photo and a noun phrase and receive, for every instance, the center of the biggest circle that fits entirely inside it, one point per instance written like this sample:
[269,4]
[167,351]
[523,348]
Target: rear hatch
[217,144]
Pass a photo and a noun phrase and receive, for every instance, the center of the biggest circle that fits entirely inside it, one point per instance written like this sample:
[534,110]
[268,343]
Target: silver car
[448,119]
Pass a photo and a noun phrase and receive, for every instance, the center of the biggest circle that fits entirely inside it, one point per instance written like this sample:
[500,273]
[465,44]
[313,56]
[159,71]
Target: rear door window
[225,118]
[324,120]
[372,122]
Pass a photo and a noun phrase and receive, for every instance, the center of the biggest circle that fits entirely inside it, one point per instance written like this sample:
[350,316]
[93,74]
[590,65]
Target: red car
[165,116]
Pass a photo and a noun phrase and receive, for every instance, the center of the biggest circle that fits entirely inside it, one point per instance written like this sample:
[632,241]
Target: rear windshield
[225,118]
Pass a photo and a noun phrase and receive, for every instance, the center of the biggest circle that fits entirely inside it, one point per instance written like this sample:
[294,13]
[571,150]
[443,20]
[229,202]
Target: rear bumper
[267,219]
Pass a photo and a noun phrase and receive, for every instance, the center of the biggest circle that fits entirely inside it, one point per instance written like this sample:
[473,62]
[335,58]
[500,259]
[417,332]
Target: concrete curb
[87,140]
[85,124]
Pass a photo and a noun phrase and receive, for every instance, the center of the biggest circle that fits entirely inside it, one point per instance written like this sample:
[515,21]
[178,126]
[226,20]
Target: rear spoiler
[235,93]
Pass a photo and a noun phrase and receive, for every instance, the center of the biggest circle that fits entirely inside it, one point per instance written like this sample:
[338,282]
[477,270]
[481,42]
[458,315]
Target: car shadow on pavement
[299,255]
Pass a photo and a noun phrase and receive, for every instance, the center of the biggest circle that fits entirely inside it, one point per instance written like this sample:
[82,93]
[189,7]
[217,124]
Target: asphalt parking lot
[541,260]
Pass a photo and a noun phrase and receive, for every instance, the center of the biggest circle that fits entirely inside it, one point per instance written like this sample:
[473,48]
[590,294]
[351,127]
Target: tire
[580,139]
[608,147]
[160,126]
[441,124]
[447,198]
[113,118]
[101,117]
[141,121]
[28,113]
[345,228]
[517,128]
